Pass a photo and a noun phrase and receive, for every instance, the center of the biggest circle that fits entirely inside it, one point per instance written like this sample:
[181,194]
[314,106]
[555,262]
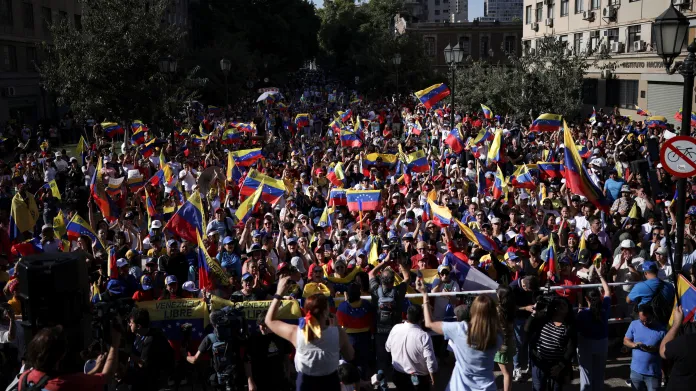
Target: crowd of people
[346,206]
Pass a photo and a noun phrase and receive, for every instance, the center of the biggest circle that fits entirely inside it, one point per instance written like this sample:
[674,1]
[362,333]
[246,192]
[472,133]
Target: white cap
[155,224]
[190,286]
[659,165]
[121,262]
[628,243]
[510,235]
[297,263]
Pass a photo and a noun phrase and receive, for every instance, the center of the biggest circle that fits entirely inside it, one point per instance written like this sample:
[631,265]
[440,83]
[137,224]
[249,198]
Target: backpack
[224,359]
[386,310]
[39,386]
[661,308]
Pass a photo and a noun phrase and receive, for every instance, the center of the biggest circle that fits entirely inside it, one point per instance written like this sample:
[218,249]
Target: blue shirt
[591,328]
[613,189]
[644,291]
[474,368]
[645,363]
[230,258]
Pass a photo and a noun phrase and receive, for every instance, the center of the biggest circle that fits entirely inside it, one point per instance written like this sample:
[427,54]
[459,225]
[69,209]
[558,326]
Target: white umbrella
[268,94]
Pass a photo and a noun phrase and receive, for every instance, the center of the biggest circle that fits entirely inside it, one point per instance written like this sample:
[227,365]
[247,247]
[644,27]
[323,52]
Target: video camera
[230,324]
[543,302]
[106,314]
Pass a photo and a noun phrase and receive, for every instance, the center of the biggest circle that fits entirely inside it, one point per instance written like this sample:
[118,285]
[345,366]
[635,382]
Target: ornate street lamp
[453,57]
[396,60]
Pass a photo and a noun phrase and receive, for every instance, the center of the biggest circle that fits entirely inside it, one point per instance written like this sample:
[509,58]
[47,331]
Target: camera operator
[524,291]
[387,299]
[151,356]
[46,354]
[552,342]
[226,345]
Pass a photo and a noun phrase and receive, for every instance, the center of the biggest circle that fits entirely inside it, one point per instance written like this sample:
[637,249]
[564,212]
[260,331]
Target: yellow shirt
[16,305]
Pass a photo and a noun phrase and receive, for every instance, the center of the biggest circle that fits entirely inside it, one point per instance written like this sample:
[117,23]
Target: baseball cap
[661,251]
[172,243]
[155,224]
[443,267]
[121,262]
[584,256]
[292,240]
[255,247]
[114,287]
[190,286]
[228,239]
[625,189]
[146,282]
[297,263]
[171,279]
[628,243]
[256,233]
[649,266]
[247,276]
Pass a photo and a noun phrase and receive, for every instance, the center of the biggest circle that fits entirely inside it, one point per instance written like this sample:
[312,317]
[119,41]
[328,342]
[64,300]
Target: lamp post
[167,66]
[397,61]
[670,31]
[453,57]
[225,65]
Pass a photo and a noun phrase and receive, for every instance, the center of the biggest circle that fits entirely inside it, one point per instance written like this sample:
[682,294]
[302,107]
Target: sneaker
[628,383]
[516,375]
[524,371]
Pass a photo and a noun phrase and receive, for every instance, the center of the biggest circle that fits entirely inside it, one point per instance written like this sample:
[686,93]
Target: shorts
[505,357]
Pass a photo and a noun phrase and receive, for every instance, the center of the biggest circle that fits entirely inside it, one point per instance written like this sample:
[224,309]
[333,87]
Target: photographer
[552,342]
[45,355]
[387,300]
[152,356]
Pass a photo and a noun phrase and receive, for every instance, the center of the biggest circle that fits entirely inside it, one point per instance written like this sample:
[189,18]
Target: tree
[548,80]
[109,68]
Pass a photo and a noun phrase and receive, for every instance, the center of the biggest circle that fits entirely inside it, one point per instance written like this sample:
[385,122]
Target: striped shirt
[553,342]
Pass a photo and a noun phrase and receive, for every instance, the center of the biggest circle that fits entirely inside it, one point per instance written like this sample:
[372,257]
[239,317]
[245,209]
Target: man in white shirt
[413,356]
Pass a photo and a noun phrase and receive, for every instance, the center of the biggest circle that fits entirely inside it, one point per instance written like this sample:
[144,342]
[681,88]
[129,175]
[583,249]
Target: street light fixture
[670,32]
[225,66]
[453,57]
[167,66]
[396,60]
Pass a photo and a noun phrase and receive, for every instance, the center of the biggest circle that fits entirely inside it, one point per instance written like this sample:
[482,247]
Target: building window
[9,58]
[78,22]
[465,45]
[62,16]
[579,6]
[549,12]
[437,2]
[6,13]
[526,46]
[437,12]
[485,45]
[564,39]
[528,15]
[564,8]
[28,15]
[594,40]
[589,91]
[622,93]
[594,4]
[47,17]
[539,12]
[430,47]
[633,36]
[612,36]
[510,44]
[577,43]
[31,59]
[445,1]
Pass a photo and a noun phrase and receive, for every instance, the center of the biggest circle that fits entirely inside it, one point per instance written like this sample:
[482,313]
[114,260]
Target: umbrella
[270,96]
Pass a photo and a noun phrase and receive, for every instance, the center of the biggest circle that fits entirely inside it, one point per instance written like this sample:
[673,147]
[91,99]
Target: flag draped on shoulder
[23,215]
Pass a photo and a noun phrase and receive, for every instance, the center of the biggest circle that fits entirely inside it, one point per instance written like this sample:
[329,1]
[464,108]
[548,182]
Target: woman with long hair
[506,316]
[318,342]
[593,332]
[475,344]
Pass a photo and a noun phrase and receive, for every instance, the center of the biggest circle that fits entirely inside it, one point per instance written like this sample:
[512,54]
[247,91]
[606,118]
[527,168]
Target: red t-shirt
[430,261]
[73,381]
[570,294]
[140,295]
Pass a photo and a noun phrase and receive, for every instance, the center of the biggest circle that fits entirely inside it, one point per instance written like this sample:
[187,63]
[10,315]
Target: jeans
[592,359]
[403,382]
[384,359]
[645,383]
[521,358]
[362,344]
[542,381]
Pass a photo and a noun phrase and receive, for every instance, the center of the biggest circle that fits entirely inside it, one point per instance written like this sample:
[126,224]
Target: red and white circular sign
[678,156]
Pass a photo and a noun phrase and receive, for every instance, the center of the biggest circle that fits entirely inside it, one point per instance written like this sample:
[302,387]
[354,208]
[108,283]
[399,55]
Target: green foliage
[549,80]
[110,68]
[261,38]
[358,40]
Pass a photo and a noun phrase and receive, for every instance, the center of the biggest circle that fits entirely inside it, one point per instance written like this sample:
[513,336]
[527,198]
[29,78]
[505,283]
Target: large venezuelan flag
[522,178]
[23,215]
[546,123]
[111,129]
[233,173]
[188,220]
[337,197]
[454,140]
[273,189]
[496,152]
[477,237]
[246,208]
[336,175]
[656,121]
[577,179]
[417,161]
[246,157]
[433,94]
[551,169]
[364,200]
[78,227]
[302,120]
[442,216]
[350,139]
[207,267]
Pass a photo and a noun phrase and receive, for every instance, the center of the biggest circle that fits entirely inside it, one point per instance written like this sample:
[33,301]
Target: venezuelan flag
[246,208]
[487,112]
[138,137]
[169,176]
[23,215]
[388,159]
[500,186]
[433,94]
[337,197]
[656,121]
[325,219]
[336,175]
[230,136]
[416,128]
[593,117]
[642,112]
[107,207]
[28,247]
[583,151]
[148,148]
[551,170]
[247,127]
[350,139]
[477,237]
[364,200]
[111,129]
[483,135]
[442,216]
[233,173]
[138,125]
[678,114]
[273,189]
[82,149]
[302,120]
[115,186]
[687,296]
[336,127]
[207,268]
[60,231]
[417,161]
[345,115]
[496,150]
[78,227]
[522,178]
[282,106]
[53,186]
[546,123]
[150,208]
[359,127]
[135,183]
[157,178]
[454,140]
[214,110]
[577,179]
[246,157]
[188,220]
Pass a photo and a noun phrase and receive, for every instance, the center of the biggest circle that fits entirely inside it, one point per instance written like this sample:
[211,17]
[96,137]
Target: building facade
[634,75]
[446,11]
[480,40]
[503,10]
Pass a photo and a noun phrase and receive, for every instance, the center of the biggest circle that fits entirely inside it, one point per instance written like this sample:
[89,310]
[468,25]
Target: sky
[475,7]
